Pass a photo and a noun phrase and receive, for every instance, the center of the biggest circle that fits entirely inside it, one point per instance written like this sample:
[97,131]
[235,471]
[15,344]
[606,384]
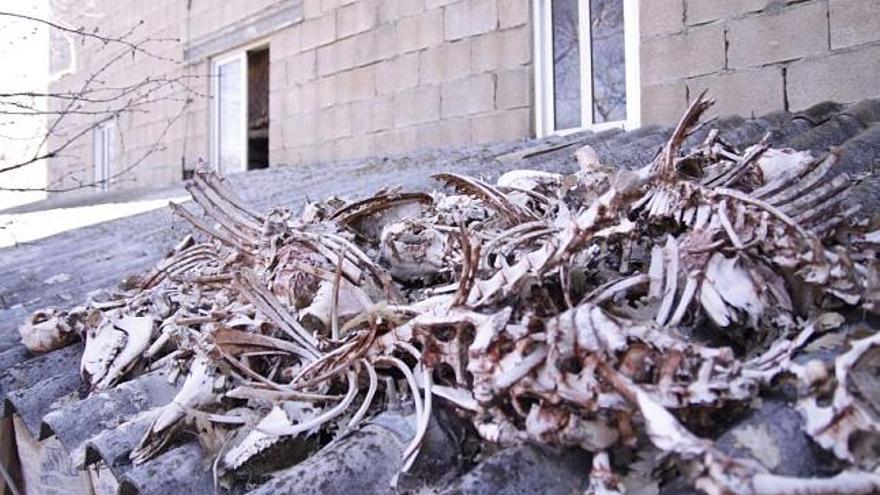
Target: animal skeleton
[567,310]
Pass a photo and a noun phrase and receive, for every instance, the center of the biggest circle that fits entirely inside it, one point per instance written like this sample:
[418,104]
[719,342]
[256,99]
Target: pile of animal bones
[610,310]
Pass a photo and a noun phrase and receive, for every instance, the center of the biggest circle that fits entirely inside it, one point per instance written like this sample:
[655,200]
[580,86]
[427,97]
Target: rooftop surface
[61,270]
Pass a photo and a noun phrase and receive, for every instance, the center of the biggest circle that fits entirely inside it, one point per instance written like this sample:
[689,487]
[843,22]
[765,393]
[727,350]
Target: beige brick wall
[353,78]
[368,77]
[169,130]
[756,56]
[408,74]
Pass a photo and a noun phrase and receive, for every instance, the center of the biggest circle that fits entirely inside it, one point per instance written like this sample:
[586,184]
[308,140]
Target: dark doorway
[258,108]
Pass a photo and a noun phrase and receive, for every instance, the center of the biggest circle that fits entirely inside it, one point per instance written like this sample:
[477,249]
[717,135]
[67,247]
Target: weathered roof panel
[112,446]
[28,373]
[37,400]
[107,410]
[182,469]
[523,470]
[44,390]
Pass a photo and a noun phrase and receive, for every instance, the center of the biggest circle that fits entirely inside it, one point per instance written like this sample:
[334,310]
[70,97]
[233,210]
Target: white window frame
[102,154]
[543,48]
[240,56]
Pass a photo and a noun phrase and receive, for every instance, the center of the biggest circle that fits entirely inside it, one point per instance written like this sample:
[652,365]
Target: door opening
[258,108]
[240,129]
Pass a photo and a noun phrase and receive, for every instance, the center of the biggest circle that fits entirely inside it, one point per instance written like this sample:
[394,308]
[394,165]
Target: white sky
[24,58]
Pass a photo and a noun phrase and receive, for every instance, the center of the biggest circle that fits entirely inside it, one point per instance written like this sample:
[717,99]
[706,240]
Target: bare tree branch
[75,114]
[107,40]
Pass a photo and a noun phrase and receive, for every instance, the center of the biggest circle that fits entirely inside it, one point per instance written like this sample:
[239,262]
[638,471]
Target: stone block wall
[756,56]
[372,77]
[349,78]
[355,78]
[153,144]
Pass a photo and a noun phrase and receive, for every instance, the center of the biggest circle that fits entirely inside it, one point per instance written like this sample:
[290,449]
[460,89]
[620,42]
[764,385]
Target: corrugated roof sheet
[47,393]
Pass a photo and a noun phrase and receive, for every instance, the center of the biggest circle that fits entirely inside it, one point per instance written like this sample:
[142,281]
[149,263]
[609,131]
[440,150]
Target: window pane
[98,155]
[566,64]
[109,151]
[608,59]
[229,117]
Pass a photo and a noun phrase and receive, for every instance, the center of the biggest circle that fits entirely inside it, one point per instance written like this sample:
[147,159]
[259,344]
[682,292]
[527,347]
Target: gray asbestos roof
[46,390]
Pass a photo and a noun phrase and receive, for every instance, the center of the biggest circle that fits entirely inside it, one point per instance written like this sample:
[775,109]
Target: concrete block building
[284,82]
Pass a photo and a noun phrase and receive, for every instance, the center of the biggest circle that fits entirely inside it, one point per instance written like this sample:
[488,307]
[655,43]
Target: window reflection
[603,48]
[566,64]
[608,60]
